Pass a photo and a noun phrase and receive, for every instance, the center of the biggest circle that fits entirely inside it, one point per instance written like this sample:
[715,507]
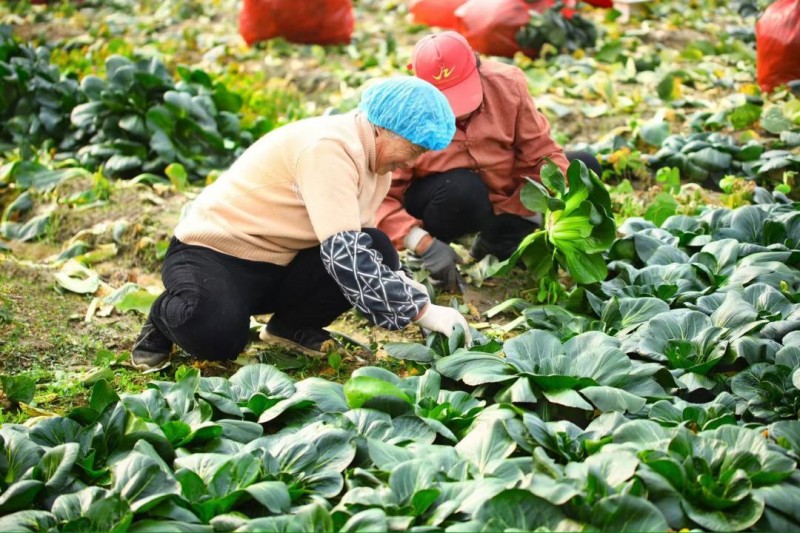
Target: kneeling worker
[290,229]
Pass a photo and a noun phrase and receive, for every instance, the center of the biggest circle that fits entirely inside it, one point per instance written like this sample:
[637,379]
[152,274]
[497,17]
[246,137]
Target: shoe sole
[286,343]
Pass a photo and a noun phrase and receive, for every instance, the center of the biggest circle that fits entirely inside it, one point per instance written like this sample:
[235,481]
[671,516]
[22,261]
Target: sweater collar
[366,134]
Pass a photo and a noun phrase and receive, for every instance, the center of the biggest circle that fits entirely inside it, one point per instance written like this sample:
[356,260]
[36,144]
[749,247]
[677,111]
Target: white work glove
[444,320]
[411,281]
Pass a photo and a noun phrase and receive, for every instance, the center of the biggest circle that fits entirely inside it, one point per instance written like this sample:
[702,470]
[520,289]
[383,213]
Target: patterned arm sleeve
[370,286]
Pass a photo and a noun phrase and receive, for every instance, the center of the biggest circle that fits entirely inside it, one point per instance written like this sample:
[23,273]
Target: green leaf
[423,499]
[486,446]
[177,176]
[171,526]
[586,268]
[112,514]
[32,175]
[535,253]
[669,88]
[711,159]
[737,518]
[122,166]
[140,480]
[534,197]
[568,398]
[20,453]
[607,399]
[410,351]
[30,230]
[28,521]
[774,121]
[274,495]
[409,478]
[73,506]
[366,521]
[361,389]
[553,178]
[475,368]
[782,497]
[661,208]
[518,510]
[327,396]
[654,132]
[20,495]
[133,124]
[630,312]
[670,178]
[19,388]
[87,116]
[139,301]
[627,513]
[645,434]
[265,379]
[610,52]
[745,115]
[530,349]
[56,466]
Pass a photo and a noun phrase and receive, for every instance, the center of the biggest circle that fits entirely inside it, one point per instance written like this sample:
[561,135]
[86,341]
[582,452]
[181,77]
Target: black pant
[210,296]
[455,203]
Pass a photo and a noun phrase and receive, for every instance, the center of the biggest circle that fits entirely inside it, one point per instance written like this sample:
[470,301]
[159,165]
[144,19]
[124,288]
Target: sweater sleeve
[371,287]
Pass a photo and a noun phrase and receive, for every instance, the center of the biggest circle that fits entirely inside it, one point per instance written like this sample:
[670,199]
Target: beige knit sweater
[291,190]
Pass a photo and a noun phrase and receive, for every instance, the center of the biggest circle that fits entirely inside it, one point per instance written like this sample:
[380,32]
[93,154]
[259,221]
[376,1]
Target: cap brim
[465,97]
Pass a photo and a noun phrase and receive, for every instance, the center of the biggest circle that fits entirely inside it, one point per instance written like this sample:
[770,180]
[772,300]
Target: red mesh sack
[778,44]
[491,26]
[435,12]
[297,21]
[600,3]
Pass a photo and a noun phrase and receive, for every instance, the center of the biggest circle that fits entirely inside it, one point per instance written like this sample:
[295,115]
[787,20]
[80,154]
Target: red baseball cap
[447,61]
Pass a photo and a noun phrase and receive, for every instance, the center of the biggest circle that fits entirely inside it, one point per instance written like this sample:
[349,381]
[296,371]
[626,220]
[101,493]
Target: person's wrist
[412,240]
[424,244]
[421,313]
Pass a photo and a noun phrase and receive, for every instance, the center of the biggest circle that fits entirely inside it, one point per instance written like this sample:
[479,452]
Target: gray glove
[441,260]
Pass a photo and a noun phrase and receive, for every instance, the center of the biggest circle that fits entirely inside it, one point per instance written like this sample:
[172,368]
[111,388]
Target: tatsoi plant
[707,157]
[720,480]
[35,98]
[560,27]
[578,226]
[138,120]
[769,392]
[588,372]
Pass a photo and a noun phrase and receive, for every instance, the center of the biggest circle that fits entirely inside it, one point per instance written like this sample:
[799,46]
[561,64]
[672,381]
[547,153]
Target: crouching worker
[289,229]
[472,186]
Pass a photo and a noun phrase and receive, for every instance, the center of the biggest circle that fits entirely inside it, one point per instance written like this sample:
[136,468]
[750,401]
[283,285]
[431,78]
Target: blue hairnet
[412,108]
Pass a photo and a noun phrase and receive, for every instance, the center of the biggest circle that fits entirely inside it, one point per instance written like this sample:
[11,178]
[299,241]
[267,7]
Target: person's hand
[411,281]
[444,320]
[440,260]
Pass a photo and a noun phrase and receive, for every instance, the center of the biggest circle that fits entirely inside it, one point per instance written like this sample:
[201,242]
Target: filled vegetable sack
[317,22]
[778,44]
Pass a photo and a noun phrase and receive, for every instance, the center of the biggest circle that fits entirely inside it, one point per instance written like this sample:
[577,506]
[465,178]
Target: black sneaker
[151,351]
[308,340]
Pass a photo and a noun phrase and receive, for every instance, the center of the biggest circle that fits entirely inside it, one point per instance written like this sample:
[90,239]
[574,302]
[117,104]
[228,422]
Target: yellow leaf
[750,88]
[35,411]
